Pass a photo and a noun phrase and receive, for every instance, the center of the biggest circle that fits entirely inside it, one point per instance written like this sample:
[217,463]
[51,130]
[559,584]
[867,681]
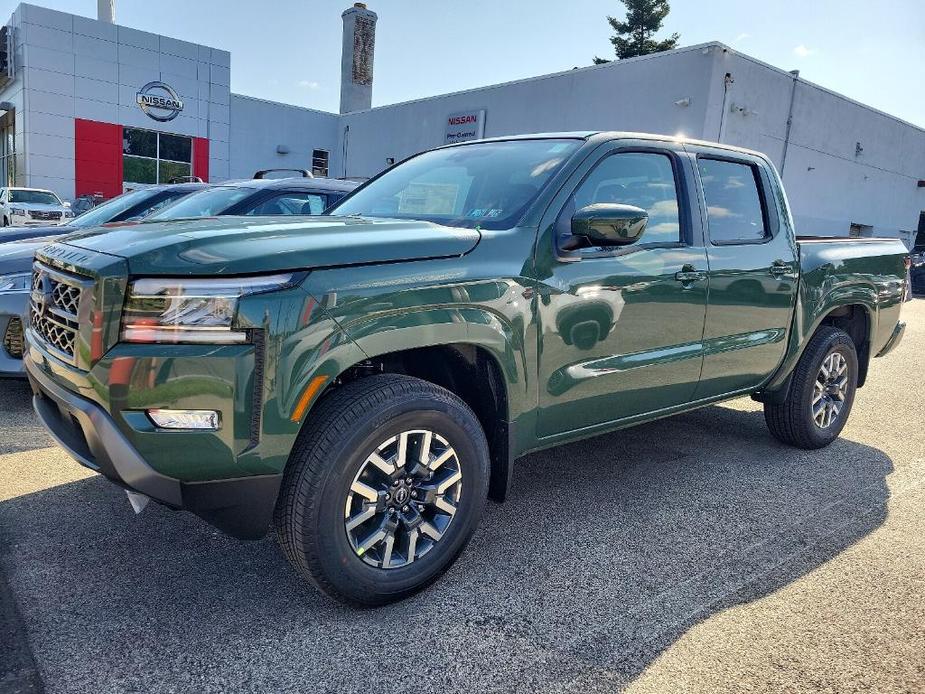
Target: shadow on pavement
[607,551]
[20,426]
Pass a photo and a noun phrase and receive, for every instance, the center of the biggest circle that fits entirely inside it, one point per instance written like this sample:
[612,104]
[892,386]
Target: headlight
[15,283]
[18,210]
[176,310]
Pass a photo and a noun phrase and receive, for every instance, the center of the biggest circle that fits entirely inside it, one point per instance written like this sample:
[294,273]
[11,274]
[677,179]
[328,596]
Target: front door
[753,273]
[620,329]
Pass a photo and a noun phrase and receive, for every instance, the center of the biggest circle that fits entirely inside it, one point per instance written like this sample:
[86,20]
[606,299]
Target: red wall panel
[98,158]
[201,158]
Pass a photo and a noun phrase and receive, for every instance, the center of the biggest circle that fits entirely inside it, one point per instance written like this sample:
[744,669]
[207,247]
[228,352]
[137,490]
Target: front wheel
[383,489]
[821,392]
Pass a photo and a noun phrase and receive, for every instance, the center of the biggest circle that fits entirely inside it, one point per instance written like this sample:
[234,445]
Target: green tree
[635,35]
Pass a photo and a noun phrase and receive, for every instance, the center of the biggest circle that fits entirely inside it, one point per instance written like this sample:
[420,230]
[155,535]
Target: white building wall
[829,183]
[73,67]
[637,95]
[259,127]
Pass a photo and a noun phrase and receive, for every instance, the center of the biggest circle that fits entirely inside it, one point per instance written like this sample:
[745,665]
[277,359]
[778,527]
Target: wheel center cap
[402,494]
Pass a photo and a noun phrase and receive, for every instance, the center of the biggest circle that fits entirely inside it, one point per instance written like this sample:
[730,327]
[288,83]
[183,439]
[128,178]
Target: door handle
[689,274]
[778,268]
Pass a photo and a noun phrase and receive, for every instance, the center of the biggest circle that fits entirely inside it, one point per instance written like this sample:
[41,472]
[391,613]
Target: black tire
[341,433]
[792,421]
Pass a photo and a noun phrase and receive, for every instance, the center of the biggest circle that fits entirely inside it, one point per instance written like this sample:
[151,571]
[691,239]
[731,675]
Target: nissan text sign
[159,101]
[469,125]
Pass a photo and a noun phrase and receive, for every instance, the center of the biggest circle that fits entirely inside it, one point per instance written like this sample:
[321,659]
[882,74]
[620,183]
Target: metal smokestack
[356,62]
[106,11]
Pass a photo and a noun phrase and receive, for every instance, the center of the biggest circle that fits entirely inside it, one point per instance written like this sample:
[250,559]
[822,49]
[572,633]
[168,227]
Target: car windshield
[487,184]
[207,203]
[41,197]
[111,209]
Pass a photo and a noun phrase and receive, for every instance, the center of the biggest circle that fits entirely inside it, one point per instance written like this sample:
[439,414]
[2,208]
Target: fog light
[185,419]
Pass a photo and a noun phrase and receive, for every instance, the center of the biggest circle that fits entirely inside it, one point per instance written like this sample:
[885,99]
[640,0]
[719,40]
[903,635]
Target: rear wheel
[383,490]
[821,392]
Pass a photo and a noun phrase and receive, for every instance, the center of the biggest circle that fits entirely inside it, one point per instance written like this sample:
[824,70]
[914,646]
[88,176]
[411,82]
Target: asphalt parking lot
[694,554]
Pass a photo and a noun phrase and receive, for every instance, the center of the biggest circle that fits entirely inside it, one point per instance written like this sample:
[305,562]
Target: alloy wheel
[830,390]
[403,499]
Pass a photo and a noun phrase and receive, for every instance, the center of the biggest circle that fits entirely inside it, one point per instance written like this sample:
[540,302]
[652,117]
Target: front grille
[54,309]
[40,214]
[13,339]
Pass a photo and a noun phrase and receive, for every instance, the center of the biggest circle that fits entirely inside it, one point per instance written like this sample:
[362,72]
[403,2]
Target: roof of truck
[302,183]
[611,135]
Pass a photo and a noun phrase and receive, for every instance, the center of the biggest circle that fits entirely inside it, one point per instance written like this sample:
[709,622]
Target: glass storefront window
[138,170]
[149,157]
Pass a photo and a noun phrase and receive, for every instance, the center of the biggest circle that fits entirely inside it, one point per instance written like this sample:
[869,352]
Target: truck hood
[8,234]
[16,256]
[248,245]
[37,206]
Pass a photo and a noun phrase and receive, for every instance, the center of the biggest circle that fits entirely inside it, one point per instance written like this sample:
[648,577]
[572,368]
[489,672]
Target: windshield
[41,197]
[110,209]
[207,203]
[487,185]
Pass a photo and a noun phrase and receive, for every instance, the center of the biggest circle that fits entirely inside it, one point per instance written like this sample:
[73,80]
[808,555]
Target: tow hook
[138,501]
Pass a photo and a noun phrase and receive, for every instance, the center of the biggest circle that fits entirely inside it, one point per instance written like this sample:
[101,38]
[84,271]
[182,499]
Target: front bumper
[241,507]
[17,220]
[11,306]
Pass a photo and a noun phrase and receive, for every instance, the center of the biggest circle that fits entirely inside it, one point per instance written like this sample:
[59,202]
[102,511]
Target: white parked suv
[20,207]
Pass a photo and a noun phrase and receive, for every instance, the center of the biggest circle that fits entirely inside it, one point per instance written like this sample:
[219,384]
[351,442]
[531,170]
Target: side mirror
[66,203]
[606,224]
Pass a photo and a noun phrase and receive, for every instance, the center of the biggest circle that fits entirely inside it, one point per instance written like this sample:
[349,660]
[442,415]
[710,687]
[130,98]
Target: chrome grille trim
[54,309]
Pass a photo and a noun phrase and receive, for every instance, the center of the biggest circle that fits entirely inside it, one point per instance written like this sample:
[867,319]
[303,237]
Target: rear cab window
[735,208]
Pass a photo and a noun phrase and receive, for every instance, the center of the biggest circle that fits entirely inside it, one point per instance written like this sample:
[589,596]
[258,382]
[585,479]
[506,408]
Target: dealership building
[88,106]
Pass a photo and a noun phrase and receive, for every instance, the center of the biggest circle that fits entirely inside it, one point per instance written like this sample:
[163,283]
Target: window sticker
[429,198]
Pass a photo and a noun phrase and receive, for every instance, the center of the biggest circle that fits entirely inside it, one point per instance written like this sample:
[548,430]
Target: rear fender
[811,311]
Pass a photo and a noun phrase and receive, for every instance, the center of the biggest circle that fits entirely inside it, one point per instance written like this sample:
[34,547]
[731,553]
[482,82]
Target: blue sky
[289,50]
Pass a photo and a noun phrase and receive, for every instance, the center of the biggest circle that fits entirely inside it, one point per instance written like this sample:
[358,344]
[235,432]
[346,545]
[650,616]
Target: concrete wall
[636,94]
[258,127]
[74,67]
[829,182]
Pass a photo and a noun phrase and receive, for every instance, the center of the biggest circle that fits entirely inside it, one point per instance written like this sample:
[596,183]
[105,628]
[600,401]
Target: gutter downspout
[793,94]
[727,82]
[346,144]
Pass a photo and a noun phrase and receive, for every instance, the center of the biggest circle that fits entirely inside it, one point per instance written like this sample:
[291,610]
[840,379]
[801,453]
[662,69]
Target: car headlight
[201,311]
[18,210]
[20,282]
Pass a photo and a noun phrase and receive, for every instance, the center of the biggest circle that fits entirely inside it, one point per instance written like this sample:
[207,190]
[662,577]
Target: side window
[155,205]
[641,179]
[290,204]
[733,201]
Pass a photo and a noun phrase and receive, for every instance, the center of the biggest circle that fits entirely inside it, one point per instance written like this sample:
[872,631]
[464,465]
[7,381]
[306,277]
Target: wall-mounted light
[683,103]
[282,149]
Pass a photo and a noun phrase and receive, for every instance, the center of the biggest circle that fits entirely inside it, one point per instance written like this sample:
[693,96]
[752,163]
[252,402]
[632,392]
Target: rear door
[753,273]
[620,328]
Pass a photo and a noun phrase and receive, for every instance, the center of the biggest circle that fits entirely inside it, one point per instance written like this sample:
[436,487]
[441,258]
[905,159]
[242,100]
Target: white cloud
[741,37]
[802,51]
[309,84]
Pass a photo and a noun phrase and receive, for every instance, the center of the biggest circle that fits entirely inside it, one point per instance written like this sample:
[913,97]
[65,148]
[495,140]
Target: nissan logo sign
[159,101]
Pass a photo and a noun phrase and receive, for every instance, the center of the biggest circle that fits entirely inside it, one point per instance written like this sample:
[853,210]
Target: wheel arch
[470,371]
[852,309]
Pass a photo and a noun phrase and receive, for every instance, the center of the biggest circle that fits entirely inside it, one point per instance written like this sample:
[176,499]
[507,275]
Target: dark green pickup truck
[361,382]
